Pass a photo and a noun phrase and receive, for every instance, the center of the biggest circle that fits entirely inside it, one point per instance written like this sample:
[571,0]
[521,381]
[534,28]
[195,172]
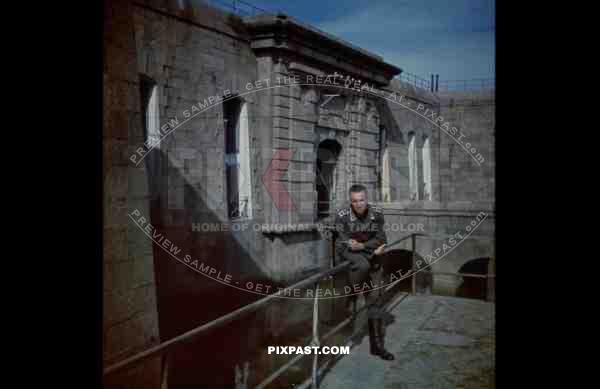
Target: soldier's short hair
[356,188]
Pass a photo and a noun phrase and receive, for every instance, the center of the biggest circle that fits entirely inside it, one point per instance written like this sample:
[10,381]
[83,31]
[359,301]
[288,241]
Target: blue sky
[452,38]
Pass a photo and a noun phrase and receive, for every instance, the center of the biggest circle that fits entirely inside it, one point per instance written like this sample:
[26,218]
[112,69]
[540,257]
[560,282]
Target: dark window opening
[147,85]
[327,156]
[474,287]
[150,124]
[231,115]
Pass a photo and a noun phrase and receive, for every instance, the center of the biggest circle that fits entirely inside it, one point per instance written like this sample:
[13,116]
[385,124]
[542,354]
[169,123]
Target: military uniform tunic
[368,230]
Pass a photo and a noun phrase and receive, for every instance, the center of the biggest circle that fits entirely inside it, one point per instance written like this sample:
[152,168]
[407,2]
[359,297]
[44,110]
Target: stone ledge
[438,206]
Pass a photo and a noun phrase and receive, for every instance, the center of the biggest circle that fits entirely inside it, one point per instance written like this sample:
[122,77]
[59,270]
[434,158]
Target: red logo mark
[272,179]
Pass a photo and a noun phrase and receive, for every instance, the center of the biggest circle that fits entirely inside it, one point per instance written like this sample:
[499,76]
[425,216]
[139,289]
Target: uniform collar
[352,215]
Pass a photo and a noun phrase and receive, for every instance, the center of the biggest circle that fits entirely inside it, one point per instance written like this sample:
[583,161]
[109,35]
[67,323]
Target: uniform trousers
[362,271]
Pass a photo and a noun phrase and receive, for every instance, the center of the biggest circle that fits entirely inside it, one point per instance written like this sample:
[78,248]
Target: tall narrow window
[412,167]
[237,158]
[149,94]
[245,200]
[426,169]
[386,192]
[327,157]
[151,119]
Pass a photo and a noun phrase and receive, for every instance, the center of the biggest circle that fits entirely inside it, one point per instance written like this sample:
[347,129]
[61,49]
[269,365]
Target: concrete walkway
[439,342]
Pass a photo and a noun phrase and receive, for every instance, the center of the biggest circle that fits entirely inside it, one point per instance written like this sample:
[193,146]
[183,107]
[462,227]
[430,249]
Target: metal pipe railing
[238,7]
[460,274]
[413,240]
[178,340]
[315,338]
[329,334]
[314,279]
[416,80]
[348,341]
[468,85]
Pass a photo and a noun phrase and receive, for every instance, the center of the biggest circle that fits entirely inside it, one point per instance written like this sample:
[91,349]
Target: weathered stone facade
[130,322]
[178,58]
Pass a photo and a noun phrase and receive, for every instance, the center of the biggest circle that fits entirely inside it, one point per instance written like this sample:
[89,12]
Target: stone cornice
[285,34]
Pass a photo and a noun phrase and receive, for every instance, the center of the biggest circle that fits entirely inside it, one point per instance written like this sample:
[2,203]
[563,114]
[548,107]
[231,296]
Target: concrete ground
[438,341]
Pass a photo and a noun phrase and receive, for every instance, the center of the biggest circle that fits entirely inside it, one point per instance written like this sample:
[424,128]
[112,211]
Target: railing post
[333,254]
[491,282]
[315,340]
[413,238]
[165,373]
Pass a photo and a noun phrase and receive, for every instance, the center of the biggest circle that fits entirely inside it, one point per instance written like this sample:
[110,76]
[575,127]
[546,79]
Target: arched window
[237,158]
[426,169]
[412,167]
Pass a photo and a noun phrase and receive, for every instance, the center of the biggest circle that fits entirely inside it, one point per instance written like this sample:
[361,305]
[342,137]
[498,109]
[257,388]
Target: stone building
[264,123]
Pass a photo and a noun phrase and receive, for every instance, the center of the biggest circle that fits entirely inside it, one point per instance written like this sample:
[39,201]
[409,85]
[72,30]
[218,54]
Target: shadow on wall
[187,299]
[394,134]
[218,248]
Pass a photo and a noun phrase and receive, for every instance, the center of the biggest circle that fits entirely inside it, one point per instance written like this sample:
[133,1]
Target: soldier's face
[359,202]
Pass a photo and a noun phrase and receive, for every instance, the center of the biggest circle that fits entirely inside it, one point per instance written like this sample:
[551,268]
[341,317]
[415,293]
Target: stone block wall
[462,187]
[468,157]
[130,319]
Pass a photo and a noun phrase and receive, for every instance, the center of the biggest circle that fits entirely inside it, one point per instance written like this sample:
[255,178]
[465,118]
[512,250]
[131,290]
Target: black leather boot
[376,339]
[383,353]
[372,338]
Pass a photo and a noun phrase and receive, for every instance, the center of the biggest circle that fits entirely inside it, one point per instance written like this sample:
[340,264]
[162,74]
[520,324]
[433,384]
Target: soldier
[361,237]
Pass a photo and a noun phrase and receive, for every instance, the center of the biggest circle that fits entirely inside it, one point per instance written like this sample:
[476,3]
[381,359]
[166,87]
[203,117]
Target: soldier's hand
[379,250]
